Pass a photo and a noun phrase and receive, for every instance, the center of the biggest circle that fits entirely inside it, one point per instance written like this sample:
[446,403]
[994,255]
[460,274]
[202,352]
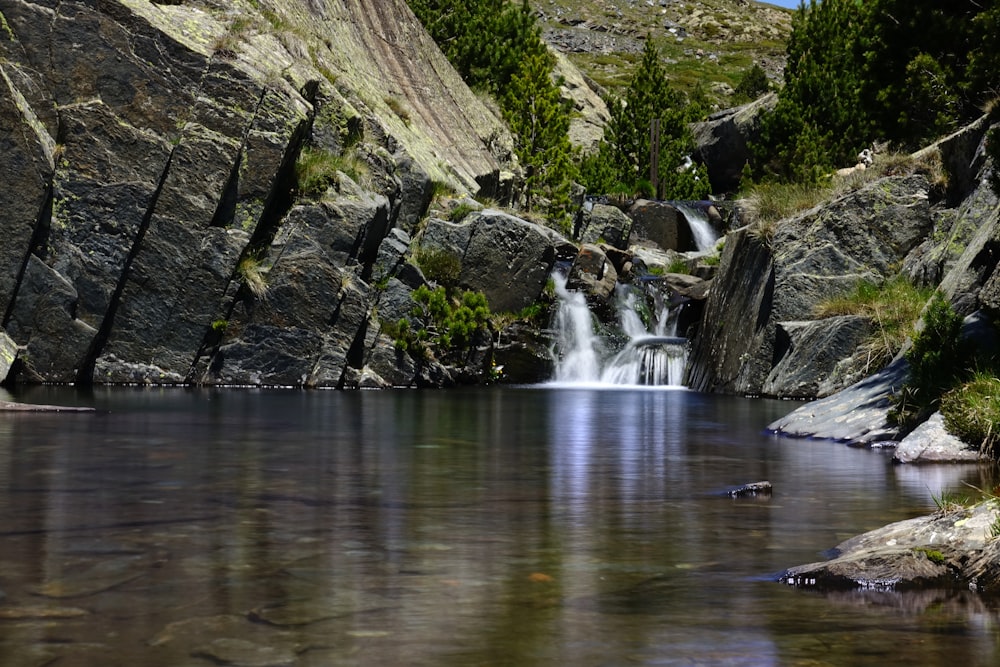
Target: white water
[704,235]
[649,358]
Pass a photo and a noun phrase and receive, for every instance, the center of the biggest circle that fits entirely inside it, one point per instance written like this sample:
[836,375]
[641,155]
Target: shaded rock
[506,258]
[722,142]
[660,224]
[603,223]
[811,355]
[523,355]
[686,285]
[814,256]
[38,613]
[931,443]
[949,549]
[731,352]
[971,283]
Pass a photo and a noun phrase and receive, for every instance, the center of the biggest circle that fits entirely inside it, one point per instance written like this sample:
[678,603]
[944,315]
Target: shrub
[439,265]
[972,412]
[937,361]
[450,324]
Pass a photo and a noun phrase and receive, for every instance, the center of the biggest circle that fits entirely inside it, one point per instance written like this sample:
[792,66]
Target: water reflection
[520,527]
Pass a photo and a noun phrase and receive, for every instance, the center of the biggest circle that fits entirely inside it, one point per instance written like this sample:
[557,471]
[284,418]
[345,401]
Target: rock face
[931,443]
[153,229]
[766,284]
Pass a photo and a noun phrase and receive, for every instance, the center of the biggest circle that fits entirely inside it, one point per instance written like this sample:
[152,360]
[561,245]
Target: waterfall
[704,235]
[652,356]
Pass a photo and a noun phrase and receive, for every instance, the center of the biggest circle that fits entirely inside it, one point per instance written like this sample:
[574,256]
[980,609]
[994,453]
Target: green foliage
[818,122]
[892,307]
[937,361]
[485,40]
[903,71]
[932,555]
[539,119]
[678,265]
[622,162]
[316,170]
[441,266]
[752,84]
[450,324]
[972,412]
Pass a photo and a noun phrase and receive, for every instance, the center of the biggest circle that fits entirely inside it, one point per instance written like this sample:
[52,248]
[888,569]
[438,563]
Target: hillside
[709,42]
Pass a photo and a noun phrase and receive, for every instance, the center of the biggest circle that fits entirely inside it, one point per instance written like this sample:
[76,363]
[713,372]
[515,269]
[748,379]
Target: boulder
[722,142]
[951,549]
[505,257]
[931,443]
[811,354]
[660,224]
[598,223]
[593,275]
[858,415]
[816,255]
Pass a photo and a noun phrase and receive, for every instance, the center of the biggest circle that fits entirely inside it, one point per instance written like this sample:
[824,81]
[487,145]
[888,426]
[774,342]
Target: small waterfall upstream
[704,234]
[652,355]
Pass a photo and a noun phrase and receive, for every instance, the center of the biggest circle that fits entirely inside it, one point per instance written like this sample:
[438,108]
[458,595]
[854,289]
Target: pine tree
[623,159]
[539,119]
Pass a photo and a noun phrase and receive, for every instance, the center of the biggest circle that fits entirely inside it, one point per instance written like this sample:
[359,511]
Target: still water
[525,526]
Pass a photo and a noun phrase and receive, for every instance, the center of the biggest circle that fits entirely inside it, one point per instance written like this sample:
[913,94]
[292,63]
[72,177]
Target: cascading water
[704,235]
[652,356]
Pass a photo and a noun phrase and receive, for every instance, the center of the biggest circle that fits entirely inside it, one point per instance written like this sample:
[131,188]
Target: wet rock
[245,653]
[593,275]
[752,489]
[77,580]
[660,224]
[950,549]
[931,443]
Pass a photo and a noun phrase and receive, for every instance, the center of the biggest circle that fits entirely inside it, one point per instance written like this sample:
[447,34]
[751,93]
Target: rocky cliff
[153,227]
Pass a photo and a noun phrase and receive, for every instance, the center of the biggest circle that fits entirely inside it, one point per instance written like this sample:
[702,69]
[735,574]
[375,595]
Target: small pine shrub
[441,266]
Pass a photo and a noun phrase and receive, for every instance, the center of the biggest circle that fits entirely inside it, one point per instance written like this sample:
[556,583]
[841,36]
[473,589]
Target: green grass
[892,307]
[972,412]
[317,170]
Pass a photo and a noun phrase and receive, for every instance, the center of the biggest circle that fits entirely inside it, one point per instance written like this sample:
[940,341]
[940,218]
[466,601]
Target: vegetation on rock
[892,306]
[972,412]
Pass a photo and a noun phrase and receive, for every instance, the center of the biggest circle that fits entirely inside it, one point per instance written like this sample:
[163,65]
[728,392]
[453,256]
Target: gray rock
[722,142]
[949,549]
[602,222]
[660,224]
[508,259]
[931,443]
[593,274]
[856,415]
[229,651]
[810,353]
[732,351]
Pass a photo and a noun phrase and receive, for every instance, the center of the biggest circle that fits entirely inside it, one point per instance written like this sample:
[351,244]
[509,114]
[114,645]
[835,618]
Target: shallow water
[534,526]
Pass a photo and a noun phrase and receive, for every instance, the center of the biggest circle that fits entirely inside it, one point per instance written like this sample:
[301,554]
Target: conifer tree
[623,159]
[819,122]
[539,119]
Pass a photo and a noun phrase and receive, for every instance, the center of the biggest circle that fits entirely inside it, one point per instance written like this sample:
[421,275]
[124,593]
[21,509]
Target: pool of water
[500,526]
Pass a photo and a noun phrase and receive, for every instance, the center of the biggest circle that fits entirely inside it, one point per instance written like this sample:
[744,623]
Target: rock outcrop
[955,548]
[722,143]
[154,229]
[768,283]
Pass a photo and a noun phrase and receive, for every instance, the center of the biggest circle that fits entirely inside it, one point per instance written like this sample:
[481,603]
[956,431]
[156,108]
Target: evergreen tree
[819,122]
[622,162]
[539,119]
